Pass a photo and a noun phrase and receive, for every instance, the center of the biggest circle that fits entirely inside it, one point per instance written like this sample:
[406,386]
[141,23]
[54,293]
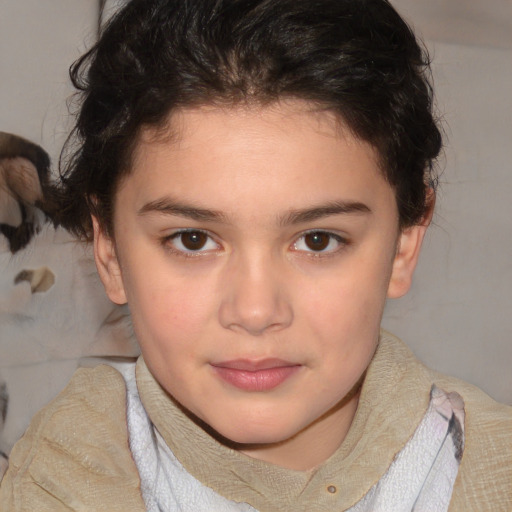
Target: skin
[257,181]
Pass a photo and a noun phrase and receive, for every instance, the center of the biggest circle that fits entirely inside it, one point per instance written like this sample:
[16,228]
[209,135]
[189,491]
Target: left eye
[318,241]
[192,241]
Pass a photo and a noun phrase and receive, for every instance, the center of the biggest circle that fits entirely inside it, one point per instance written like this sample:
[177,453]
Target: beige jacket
[75,454]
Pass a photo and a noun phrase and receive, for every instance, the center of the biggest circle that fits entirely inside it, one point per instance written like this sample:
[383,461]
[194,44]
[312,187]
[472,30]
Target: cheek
[169,309]
[169,323]
[344,312]
[351,296]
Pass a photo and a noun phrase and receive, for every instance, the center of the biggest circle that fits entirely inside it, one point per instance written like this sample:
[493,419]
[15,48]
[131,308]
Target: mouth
[250,375]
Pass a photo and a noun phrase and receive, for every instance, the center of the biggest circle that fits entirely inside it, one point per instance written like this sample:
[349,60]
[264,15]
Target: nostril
[40,279]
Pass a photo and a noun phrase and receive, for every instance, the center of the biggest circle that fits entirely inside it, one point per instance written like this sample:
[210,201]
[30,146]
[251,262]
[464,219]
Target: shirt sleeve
[75,454]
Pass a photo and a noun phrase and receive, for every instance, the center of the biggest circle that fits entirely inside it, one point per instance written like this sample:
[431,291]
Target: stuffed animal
[54,314]
[24,172]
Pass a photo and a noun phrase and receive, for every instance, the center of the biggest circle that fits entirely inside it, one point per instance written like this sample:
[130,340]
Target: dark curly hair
[357,58]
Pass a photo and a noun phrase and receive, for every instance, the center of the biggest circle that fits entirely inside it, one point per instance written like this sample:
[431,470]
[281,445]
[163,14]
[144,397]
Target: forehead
[255,153]
[288,119]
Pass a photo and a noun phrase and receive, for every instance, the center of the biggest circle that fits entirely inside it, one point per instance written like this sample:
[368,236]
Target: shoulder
[488,424]
[75,453]
[485,475]
[481,410]
[484,481]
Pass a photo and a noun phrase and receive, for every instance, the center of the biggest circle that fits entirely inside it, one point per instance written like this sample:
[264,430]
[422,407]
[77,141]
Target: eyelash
[167,242]
[341,241]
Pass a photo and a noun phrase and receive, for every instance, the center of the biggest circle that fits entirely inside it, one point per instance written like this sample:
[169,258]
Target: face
[256,248]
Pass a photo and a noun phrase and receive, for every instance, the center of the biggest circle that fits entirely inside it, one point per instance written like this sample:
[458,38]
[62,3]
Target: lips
[261,375]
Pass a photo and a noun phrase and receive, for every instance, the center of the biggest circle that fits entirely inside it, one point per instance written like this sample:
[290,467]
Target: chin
[250,434]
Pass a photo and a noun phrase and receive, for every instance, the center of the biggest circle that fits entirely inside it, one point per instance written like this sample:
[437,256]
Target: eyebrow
[168,206]
[325,210]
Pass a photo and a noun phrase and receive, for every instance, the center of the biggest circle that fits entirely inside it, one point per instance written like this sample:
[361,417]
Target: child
[257,177]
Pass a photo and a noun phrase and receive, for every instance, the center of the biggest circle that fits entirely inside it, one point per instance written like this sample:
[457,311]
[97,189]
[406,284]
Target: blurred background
[457,317]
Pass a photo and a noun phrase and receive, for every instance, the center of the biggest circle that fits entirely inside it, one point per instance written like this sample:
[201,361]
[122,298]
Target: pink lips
[255,375]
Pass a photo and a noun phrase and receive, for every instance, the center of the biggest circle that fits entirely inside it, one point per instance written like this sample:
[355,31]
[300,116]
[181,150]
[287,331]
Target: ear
[107,264]
[408,251]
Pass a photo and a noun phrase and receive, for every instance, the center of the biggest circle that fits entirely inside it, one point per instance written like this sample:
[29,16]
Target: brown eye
[193,240]
[317,241]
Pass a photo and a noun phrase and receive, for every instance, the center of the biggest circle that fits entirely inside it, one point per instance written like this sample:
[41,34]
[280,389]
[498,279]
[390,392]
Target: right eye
[192,241]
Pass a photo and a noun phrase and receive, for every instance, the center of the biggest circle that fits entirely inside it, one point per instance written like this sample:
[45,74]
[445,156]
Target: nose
[254,297]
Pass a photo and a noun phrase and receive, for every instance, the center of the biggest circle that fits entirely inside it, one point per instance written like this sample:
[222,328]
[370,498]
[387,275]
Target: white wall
[38,41]
[457,316]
